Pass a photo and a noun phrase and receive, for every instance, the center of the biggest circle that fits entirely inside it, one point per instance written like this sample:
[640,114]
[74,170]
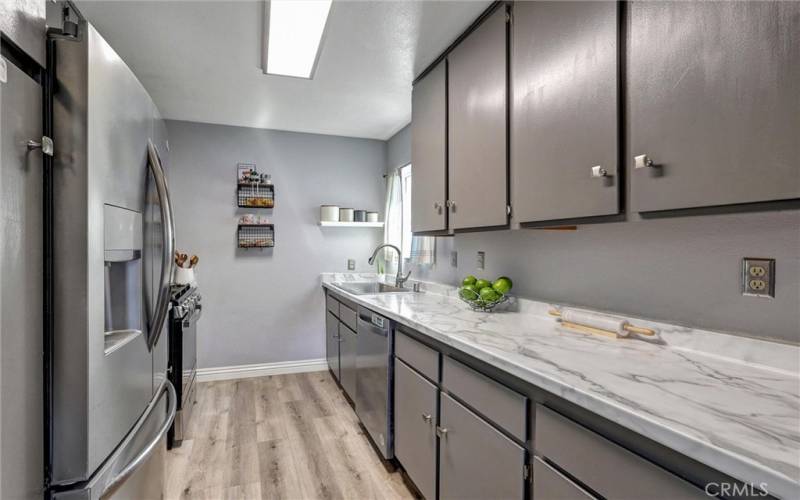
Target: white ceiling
[201,61]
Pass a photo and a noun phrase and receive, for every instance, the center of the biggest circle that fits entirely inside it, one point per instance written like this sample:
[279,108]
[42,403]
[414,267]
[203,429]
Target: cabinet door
[332,343]
[429,152]
[475,460]
[477,107]
[714,103]
[414,427]
[565,112]
[347,357]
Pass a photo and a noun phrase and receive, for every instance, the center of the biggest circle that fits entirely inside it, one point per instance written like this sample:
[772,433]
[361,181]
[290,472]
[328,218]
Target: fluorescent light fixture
[294,34]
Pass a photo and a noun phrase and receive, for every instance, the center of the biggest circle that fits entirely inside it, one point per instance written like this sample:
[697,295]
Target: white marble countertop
[729,402]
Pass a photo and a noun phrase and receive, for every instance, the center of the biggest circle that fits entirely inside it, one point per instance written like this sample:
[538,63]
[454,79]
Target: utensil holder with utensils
[184,271]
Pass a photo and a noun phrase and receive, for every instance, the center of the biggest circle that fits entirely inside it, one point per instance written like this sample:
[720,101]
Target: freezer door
[136,468]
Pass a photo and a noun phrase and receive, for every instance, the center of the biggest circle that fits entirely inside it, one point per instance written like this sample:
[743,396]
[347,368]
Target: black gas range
[182,365]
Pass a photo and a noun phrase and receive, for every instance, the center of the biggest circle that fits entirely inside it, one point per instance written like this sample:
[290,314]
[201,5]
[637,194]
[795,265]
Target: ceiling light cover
[295,32]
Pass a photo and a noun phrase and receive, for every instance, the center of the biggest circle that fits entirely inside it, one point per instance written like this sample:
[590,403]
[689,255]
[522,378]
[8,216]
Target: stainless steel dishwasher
[375,379]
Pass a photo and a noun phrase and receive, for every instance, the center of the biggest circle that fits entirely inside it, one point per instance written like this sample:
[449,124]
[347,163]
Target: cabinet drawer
[419,356]
[332,305]
[495,401]
[348,317]
[414,427]
[476,461]
[549,484]
[608,469]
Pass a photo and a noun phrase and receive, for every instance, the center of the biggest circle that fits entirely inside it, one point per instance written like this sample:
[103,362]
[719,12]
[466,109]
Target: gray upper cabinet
[475,460]
[565,118]
[714,103]
[414,427]
[477,126]
[429,152]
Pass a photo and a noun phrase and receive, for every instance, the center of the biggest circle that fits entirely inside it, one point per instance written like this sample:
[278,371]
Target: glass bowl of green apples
[484,295]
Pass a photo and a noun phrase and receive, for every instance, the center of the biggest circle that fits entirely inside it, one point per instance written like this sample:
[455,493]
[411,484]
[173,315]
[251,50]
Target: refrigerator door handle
[162,303]
[147,450]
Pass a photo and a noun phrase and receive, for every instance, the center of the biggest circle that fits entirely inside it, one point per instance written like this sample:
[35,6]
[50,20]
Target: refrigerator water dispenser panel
[122,235]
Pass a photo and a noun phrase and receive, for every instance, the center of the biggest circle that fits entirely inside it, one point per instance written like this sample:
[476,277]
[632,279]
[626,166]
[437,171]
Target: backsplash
[684,270]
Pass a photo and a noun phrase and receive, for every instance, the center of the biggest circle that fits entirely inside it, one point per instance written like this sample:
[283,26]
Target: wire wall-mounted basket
[256,236]
[255,195]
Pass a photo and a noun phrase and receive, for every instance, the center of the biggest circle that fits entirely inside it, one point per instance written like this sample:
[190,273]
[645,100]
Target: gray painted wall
[267,306]
[398,149]
[684,270]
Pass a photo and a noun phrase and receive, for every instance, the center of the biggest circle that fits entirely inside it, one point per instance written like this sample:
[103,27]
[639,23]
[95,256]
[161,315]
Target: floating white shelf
[350,224]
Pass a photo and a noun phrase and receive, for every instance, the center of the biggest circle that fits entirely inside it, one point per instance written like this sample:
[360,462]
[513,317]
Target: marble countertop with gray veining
[729,402]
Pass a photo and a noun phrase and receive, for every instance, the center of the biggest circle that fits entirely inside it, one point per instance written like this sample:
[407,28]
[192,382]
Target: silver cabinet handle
[46,145]
[599,171]
[426,417]
[156,323]
[451,204]
[441,432]
[643,161]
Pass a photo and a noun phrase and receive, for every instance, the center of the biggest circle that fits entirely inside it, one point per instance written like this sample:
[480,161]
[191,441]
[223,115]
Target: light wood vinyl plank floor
[279,437]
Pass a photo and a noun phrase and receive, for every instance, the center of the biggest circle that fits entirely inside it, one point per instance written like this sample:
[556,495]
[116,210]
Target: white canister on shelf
[345,215]
[328,213]
[372,216]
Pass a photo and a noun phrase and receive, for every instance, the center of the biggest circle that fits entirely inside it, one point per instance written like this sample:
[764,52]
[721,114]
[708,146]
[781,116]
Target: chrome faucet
[399,279]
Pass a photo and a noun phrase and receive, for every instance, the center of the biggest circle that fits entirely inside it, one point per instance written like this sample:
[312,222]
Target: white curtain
[418,250]
[393,220]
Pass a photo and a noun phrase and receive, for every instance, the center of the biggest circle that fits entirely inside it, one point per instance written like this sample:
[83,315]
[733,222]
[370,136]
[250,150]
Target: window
[397,228]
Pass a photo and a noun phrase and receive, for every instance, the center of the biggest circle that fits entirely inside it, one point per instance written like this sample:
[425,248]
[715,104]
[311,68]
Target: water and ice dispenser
[124,315]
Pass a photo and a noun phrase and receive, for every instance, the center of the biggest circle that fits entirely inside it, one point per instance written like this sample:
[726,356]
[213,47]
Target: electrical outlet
[481,261]
[758,277]
[454,259]
[351,264]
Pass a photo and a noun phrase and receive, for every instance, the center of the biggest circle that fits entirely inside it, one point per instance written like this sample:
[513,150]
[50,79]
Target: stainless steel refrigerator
[113,245]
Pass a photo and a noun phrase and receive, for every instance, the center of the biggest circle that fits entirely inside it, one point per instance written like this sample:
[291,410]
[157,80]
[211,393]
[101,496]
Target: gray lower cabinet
[475,460]
[564,118]
[429,152]
[713,103]
[332,343]
[477,126]
[415,427]
[605,467]
[347,358]
[549,484]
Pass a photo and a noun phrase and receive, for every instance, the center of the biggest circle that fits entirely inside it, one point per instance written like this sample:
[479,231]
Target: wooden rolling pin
[598,324]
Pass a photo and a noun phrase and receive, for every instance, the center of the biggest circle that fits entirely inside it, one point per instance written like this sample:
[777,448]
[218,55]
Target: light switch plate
[351,264]
[758,277]
[481,261]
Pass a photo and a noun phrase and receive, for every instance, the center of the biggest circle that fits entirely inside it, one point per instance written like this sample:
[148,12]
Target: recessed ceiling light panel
[294,30]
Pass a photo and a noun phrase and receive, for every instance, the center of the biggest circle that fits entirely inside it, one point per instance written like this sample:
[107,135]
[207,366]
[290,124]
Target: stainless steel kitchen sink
[369,288]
